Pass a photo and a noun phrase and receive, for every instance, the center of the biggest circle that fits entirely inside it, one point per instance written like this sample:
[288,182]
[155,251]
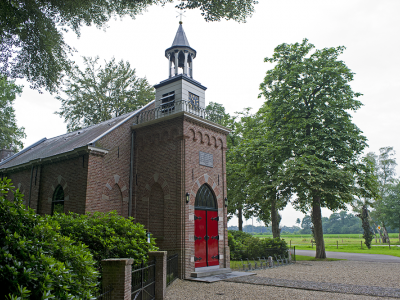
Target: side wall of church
[159,196]
[108,179]
[204,138]
[71,174]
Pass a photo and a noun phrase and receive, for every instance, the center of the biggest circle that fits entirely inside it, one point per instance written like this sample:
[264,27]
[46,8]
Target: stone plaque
[206,159]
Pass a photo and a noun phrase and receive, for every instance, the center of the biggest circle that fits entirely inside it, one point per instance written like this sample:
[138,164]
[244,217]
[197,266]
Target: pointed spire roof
[180,42]
[180,38]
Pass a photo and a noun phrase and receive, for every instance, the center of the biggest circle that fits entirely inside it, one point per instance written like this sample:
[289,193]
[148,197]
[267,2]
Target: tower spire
[180,54]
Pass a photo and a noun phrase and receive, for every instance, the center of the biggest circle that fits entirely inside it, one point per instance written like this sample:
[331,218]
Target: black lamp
[226,202]
[187,197]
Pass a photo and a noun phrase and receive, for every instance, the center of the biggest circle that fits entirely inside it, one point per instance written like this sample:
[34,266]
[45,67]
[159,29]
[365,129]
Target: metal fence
[175,107]
[144,281]
[268,262]
[172,268]
[106,294]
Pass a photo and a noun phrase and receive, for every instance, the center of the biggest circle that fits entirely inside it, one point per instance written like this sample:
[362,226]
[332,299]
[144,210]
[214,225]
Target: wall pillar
[185,71]
[176,62]
[161,272]
[117,272]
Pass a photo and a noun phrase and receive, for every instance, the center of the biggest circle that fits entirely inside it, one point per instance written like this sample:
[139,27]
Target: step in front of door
[209,272]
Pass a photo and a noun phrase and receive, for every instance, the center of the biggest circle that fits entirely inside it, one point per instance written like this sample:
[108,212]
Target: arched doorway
[206,228]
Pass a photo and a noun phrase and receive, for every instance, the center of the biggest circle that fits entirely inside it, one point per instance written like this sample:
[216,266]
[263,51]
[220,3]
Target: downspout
[30,188]
[131,173]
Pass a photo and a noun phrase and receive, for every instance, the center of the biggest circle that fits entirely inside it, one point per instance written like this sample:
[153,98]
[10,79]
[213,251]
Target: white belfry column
[185,71]
[191,67]
[170,66]
[176,62]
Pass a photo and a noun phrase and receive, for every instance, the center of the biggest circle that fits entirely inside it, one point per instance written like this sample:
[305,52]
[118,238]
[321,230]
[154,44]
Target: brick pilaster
[117,272]
[161,272]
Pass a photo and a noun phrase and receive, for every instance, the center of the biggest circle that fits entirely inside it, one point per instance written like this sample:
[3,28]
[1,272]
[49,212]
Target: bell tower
[180,92]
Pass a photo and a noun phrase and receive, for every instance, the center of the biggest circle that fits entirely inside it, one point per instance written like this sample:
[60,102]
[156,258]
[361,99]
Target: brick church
[163,165]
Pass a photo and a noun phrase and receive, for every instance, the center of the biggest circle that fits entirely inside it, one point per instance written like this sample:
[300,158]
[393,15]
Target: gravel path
[334,280]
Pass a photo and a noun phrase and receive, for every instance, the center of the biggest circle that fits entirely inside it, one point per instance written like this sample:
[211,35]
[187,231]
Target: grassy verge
[302,257]
[394,251]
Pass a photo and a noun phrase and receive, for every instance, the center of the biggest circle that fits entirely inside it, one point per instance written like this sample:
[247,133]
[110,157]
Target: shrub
[244,246]
[36,261]
[107,235]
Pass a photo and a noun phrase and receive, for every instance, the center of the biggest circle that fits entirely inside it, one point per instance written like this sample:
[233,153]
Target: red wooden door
[206,238]
[200,236]
[212,242]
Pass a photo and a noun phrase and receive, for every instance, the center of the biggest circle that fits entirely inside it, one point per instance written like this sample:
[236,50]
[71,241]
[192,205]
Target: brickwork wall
[205,138]
[71,174]
[158,163]
[109,173]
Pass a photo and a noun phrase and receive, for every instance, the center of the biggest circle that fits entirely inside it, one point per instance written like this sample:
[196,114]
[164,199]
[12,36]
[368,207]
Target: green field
[353,243]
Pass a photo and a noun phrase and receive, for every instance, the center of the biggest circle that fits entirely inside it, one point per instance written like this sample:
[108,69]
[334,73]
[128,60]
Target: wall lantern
[187,197]
[226,202]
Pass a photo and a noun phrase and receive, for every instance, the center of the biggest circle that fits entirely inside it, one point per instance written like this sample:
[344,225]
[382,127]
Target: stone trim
[115,179]
[59,181]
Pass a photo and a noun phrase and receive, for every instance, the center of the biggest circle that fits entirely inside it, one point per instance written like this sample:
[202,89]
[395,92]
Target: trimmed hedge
[107,235]
[243,245]
[36,261]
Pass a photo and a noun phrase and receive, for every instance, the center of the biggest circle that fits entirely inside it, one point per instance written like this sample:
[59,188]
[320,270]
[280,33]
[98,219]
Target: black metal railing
[144,281]
[172,268]
[174,107]
[106,294]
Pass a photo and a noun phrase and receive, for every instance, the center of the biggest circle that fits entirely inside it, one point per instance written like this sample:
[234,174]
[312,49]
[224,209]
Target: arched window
[57,204]
[205,198]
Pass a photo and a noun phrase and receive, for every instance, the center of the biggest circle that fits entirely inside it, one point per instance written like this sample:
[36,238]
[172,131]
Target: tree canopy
[99,93]
[308,100]
[32,44]
[10,133]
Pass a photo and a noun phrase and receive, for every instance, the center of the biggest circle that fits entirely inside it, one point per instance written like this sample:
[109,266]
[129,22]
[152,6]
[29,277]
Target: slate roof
[66,142]
[180,38]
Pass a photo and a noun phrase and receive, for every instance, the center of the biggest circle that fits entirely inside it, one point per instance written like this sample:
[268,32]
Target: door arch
[206,228]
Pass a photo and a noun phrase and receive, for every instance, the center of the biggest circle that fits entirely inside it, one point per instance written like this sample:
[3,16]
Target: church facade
[163,165]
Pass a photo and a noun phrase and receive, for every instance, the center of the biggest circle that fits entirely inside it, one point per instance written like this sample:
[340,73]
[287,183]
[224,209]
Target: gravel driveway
[349,277]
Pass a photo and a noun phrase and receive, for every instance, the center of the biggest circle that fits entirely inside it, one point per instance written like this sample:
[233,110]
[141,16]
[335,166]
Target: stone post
[161,272]
[270,262]
[117,272]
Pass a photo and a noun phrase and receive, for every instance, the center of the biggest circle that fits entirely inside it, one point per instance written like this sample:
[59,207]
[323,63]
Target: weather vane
[181,14]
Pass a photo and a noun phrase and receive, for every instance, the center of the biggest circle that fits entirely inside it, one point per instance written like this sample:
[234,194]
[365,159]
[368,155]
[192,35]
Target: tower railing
[174,107]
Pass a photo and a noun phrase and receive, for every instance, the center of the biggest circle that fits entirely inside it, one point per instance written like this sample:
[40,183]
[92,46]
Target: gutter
[22,151]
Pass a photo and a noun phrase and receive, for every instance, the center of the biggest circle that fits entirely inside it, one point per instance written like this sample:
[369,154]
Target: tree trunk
[385,234]
[240,217]
[318,232]
[276,232]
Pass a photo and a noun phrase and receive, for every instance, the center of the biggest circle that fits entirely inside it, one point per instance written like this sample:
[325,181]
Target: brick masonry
[165,168]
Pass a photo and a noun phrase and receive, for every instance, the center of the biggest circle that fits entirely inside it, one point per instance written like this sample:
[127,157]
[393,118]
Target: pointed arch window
[57,204]
[205,198]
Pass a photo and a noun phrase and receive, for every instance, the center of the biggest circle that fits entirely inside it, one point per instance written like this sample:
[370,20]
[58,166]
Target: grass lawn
[302,257]
[343,243]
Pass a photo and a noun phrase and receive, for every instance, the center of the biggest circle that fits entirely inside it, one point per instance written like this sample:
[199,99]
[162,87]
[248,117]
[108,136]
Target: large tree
[32,41]
[390,206]
[308,100]
[99,93]
[386,171]
[10,133]
[263,161]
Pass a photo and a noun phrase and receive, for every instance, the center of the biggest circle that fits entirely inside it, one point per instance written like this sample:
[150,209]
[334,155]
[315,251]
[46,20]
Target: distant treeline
[337,223]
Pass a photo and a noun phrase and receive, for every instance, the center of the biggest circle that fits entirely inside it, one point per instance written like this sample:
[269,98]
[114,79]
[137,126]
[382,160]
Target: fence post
[161,272]
[117,272]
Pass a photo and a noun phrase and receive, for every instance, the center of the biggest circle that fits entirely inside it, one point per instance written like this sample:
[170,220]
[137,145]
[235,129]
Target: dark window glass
[205,198]
[57,204]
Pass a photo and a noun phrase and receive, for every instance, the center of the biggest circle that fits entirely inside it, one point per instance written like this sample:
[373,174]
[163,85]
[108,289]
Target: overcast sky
[230,59]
